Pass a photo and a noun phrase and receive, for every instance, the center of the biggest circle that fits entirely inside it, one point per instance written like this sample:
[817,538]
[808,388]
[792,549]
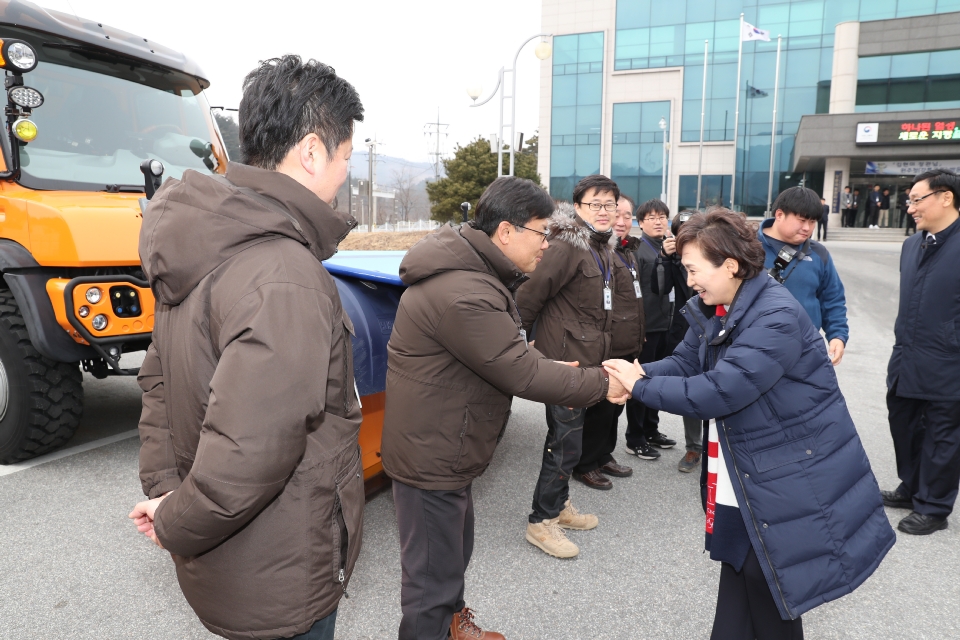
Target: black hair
[514,200]
[941,180]
[655,205]
[602,184]
[286,99]
[847,187]
[801,202]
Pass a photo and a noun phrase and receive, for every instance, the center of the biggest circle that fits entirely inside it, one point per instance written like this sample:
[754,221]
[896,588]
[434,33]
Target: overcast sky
[406,58]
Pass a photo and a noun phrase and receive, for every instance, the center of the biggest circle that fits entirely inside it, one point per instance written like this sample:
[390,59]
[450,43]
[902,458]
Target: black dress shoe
[917,524]
[594,479]
[896,500]
[616,470]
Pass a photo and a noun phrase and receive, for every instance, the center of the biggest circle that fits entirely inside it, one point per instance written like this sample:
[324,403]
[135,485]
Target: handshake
[623,376]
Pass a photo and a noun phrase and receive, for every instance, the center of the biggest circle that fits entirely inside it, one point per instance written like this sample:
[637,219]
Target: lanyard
[655,250]
[627,265]
[604,270]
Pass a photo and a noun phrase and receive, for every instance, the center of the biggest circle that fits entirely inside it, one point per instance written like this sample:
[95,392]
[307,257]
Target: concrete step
[867,235]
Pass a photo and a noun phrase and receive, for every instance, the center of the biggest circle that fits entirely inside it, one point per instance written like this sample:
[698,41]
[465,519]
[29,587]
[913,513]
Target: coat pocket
[590,287]
[581,343]
[483,426]
[950,335]
[347,525]
[784,459]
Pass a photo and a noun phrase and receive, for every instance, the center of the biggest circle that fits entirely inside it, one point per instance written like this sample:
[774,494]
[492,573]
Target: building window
[637,149]
[714,191]
[909,81]
[577,108]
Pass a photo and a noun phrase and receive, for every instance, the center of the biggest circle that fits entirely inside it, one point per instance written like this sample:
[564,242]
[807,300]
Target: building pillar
[836,175]
[843,81]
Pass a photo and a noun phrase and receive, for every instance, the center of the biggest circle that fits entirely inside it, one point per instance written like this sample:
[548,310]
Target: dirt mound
[383,241]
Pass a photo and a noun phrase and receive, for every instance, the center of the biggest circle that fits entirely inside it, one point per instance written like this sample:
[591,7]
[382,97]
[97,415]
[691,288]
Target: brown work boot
[551,539]
[462,627]
[570,518]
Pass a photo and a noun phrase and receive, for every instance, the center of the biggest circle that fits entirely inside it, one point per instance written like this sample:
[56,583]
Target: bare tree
[405,185]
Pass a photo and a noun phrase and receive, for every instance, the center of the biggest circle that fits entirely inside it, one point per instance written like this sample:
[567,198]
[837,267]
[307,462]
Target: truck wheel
[40,400]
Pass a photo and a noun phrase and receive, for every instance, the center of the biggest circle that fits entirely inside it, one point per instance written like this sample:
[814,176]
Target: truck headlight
[25,97]
[100,322]
[17,56]
[25,130]
[93,295]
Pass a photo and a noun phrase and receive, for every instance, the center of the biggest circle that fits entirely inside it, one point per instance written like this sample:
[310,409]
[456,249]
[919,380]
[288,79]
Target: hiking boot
[689,462]
[551,539]
[462,627]
[570,518]
[643,451]
[661,441]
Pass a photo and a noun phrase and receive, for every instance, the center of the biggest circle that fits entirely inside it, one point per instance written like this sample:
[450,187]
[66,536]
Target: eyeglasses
[520,226]
[914,202]
[596,206]
[655,219]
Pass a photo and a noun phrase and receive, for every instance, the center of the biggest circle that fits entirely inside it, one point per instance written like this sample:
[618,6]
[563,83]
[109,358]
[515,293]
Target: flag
[753,92]
[750,32]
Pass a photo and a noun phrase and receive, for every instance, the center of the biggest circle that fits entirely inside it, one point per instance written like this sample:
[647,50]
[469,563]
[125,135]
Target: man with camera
[804,266]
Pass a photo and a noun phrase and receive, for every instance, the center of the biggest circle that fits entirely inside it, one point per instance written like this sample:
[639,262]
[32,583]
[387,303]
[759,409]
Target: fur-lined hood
[630,244]
[566,226]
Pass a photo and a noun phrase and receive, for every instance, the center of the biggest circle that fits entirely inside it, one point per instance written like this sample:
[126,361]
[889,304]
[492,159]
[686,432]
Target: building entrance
[896,188]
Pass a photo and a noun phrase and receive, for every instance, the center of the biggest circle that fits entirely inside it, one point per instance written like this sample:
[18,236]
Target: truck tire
[41,400]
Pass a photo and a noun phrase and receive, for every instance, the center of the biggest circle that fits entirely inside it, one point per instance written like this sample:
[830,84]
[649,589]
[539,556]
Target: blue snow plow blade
[370,290]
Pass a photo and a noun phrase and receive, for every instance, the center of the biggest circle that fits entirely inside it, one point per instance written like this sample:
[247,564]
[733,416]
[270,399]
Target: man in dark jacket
[457,355]
[601,423]
[570,298]
[643,423]
[250,418]
[874,204]
[923,377]
[884,210]
[809,274]
[849,206]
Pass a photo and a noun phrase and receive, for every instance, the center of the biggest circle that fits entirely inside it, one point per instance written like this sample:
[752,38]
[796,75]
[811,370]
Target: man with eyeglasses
[571,299]
[923,377]
[643,423]
[457,356]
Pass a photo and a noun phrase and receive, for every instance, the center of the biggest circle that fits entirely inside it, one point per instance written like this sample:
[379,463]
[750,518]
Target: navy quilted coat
[809,500]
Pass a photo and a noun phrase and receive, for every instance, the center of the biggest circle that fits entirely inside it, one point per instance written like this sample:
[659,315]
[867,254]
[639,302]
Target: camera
[781,262]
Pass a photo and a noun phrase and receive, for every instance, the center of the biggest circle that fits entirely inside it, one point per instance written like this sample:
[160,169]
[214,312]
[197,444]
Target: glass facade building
[651,35]
[576,111]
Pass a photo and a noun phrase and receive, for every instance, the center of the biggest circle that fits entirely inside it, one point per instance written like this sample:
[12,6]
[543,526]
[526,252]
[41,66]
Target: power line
[434,129]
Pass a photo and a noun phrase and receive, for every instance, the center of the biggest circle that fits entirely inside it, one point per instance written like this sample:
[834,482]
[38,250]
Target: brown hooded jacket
[250,414]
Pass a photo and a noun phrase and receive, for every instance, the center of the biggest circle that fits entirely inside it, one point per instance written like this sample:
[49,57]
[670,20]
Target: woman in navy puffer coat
[786,459]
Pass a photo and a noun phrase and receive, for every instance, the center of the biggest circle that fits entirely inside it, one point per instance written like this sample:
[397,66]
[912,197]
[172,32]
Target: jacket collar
[496,261]
[577,233]
[716,333]
[322,227]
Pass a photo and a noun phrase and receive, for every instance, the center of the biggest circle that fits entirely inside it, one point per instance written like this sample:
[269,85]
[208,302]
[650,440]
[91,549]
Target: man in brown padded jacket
[250,417]
[570,297]
[455,359]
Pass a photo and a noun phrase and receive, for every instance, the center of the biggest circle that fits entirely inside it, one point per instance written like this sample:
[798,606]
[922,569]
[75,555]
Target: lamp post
[543,51]
[663,167]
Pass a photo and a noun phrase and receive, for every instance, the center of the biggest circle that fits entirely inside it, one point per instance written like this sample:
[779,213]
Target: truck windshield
[104,113]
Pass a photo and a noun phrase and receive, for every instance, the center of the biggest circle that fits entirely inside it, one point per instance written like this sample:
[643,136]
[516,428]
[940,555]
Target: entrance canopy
[888,143]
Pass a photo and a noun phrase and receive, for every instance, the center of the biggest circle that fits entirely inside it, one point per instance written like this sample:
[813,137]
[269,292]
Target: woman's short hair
[721,234]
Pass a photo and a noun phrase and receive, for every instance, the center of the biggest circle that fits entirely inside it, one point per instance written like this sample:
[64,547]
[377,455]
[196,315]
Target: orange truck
[94,117]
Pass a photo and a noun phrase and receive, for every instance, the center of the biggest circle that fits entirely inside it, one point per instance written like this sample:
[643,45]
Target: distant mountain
[389,169]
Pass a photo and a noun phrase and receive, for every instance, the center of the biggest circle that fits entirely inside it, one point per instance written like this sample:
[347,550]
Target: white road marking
[6,470]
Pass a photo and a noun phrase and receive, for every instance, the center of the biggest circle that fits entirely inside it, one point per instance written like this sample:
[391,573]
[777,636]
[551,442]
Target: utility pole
[433,129]
[371,173]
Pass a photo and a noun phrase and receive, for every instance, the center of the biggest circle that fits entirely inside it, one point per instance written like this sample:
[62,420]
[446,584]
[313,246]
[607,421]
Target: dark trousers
[436,542]
[822,226]
[599,436]
[926,440]
[872,217]
[746,609]
[643,422]
[848,218]
[561,453]
[322,629]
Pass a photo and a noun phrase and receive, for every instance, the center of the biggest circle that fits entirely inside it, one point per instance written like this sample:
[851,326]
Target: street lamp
[663,169]
[543,51]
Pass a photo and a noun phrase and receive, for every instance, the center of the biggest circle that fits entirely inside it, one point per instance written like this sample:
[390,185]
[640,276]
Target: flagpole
[703,113]
[773,130]
[736,120]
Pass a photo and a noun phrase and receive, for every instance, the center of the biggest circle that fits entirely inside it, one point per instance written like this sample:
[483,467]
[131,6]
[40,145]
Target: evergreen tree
[471,170]
[231,135]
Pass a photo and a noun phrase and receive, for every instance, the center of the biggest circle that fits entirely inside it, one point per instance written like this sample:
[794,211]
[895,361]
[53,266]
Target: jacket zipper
[342,523]
[346,372]
[743,491]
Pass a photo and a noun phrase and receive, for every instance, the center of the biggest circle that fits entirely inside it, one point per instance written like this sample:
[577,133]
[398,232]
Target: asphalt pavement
[74,566]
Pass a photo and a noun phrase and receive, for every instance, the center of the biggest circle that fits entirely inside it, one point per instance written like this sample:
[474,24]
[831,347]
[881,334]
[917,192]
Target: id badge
[636,289]
[607,299]
[523,334]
